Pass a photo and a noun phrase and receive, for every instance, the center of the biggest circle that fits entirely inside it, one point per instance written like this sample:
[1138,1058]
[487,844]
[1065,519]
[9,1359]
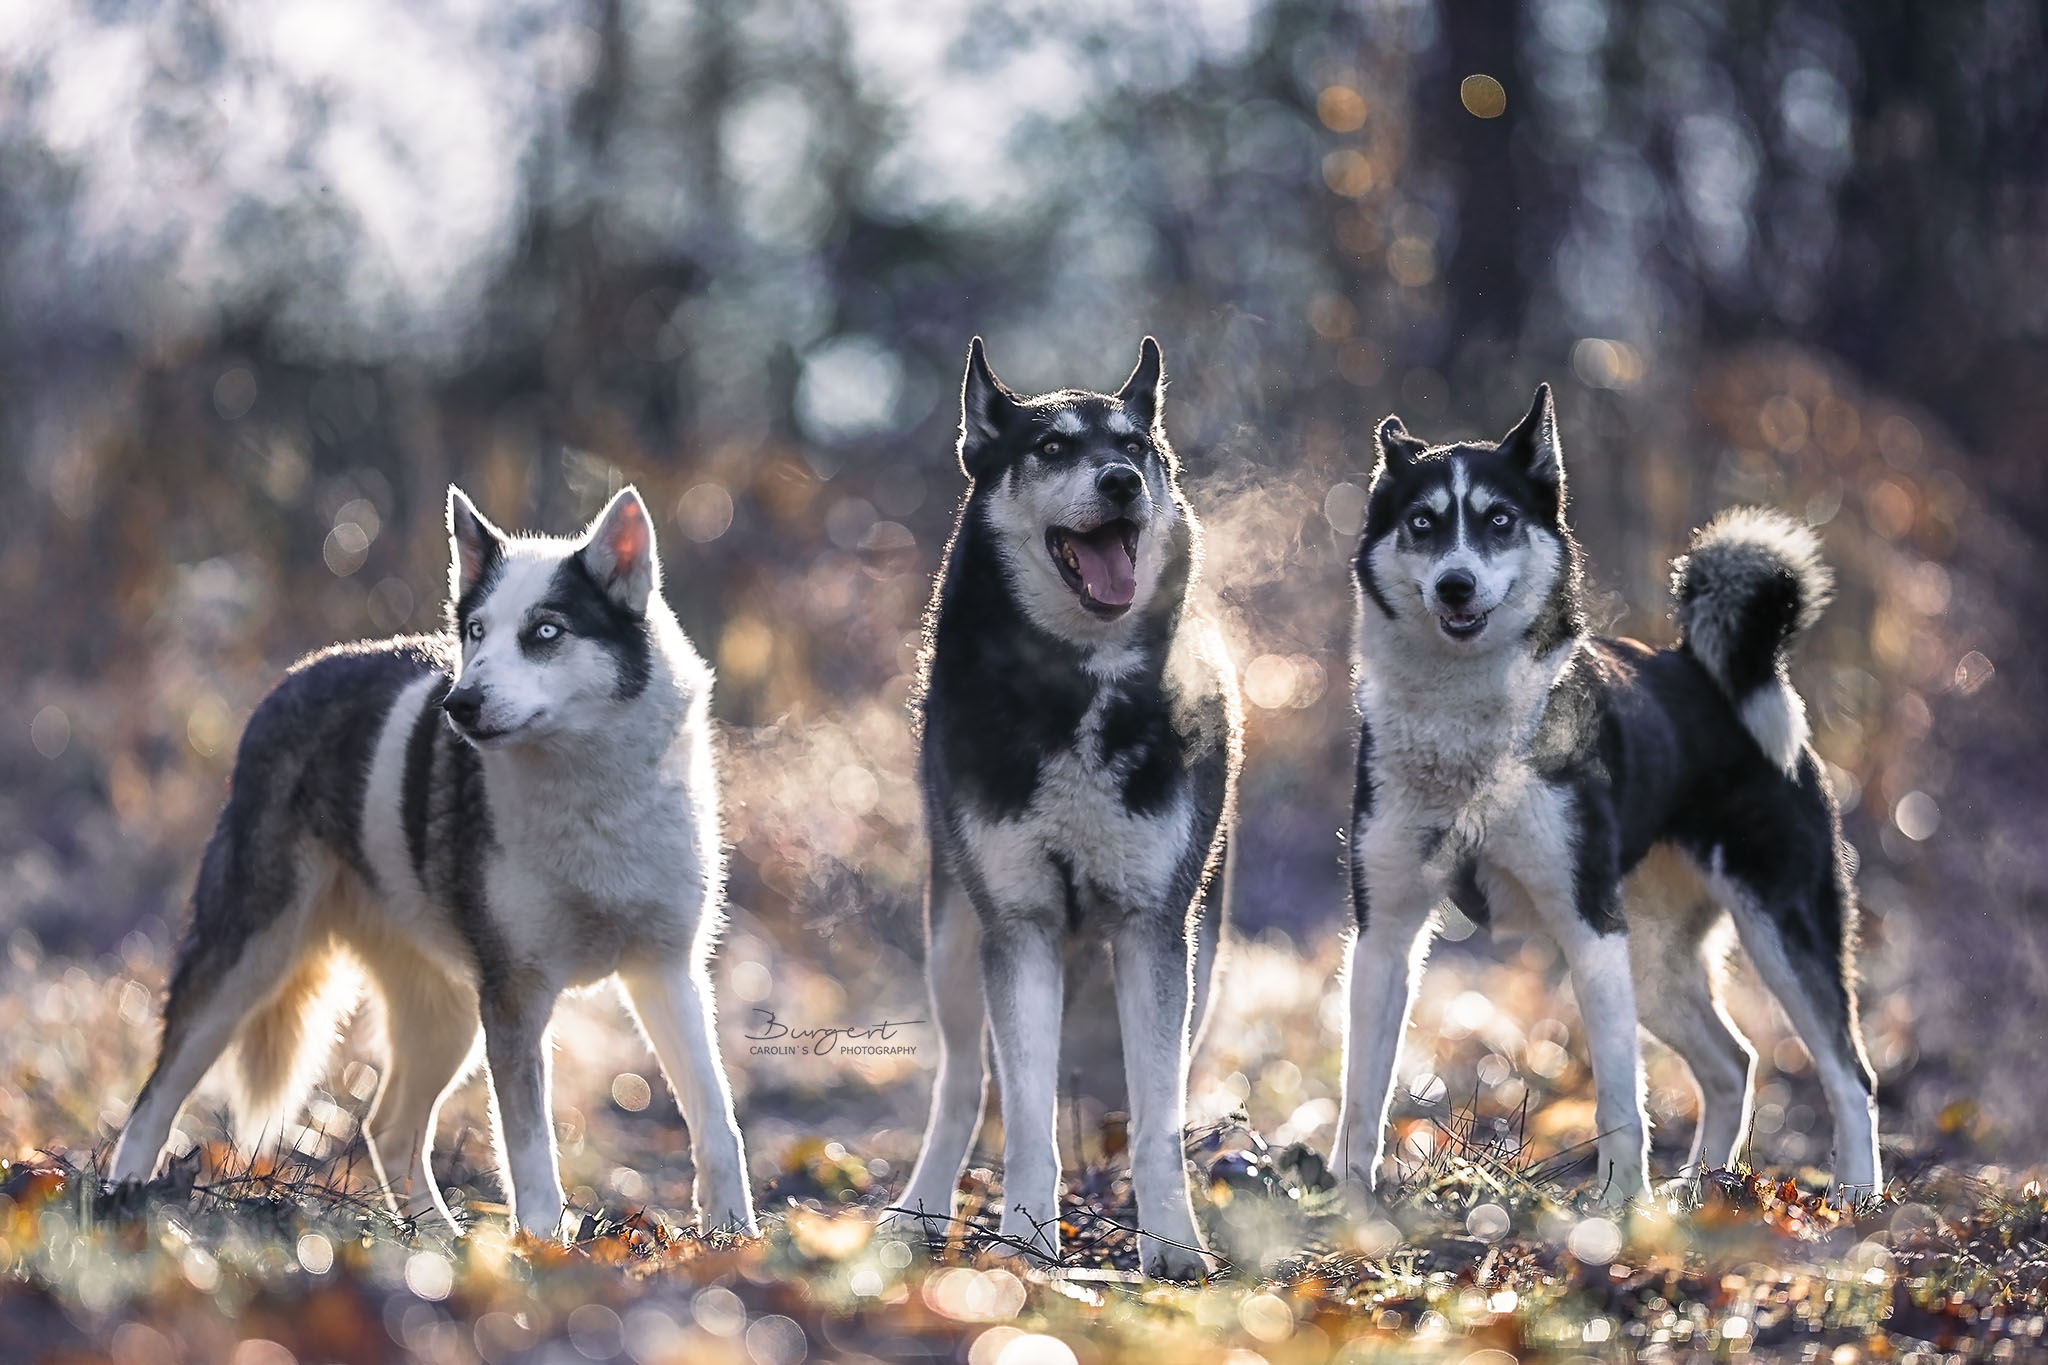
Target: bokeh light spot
[316,1254]
[234,393]
[1349,172]
[705,512]
[1482,96]
[1269,682]
[1488,1222]
[1917,816]
[631,1092]
[50,731]
[1603,364]
[429,1276]
[1341,109]
[345,549]
[1973,670]
[1595,1241]
[209,725]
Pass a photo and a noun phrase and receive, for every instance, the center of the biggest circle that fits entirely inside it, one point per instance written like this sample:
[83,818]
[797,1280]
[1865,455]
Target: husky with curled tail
[1080,739]
[475,821]
[1635,803]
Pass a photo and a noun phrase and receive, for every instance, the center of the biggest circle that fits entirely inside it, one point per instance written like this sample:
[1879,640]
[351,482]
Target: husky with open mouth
[1080,735]
[1636,803]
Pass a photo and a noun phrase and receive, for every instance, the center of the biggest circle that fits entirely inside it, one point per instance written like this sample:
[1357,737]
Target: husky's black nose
[1119,483]
[1454,589]
[464,705]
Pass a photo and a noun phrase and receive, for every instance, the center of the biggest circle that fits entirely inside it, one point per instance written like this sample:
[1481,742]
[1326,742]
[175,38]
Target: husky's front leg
[952,952]
[675,1005]
[1022,979]
[1151,957]
[1605,987]
[1564,856]
[1382,971]
[1393,902]
[515,1014]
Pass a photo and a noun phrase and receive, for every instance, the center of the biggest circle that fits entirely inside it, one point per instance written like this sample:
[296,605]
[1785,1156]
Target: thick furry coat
[475,821]
[1080,741]
[1631,801]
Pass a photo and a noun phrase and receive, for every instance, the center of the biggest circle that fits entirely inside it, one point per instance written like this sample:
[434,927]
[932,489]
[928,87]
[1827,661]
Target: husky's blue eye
[1052,450]
[1134,447]
[1420,522]
[1502,519]
[546,630]
[475,630]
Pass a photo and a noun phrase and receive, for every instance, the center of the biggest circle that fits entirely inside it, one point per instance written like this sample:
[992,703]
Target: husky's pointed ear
[474,545]
[1393,447]
[619,551]
[986,406]
[1534,442]
[1145,391]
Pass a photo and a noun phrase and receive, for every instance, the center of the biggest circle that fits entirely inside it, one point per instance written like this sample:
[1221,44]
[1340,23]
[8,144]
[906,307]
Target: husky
[476,821]
[1644,806]
[1080,739]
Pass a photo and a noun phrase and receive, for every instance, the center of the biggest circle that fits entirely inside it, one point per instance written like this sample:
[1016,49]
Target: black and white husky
[478,821]
[1080,743]
[1633,800]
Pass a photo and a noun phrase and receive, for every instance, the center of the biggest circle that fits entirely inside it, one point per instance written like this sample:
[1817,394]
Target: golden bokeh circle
[1482,96]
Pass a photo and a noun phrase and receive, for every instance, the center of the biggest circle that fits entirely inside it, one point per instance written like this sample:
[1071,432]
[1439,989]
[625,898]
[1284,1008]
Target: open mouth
[1099,564]
[1462,625]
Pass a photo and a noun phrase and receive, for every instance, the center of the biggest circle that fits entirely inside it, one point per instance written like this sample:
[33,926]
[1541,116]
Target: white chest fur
[1125,859]
[1451,738]
[594,863]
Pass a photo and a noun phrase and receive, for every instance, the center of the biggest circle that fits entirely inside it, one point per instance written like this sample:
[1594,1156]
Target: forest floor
[1492,1251]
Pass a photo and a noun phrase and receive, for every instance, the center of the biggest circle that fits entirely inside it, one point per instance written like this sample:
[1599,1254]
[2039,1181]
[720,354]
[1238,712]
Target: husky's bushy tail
[1752,581]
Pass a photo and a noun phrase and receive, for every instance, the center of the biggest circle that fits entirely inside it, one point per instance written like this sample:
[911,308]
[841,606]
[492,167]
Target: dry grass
[1492,1246]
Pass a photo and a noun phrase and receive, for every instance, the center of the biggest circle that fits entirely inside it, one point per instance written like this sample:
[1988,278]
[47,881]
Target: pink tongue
[1105,568]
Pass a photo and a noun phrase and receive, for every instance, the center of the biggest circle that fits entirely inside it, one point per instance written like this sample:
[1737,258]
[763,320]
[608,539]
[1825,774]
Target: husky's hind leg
[430,1032]
[1678,943]
[240,959]
[1800,947]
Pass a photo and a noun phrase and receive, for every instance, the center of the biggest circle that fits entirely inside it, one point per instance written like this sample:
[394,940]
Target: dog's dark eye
[1134,447]
[1502,519]
[475,630]
[1421,522]
[1052,450]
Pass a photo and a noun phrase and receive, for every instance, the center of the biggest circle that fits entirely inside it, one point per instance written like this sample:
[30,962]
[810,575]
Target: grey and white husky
[1633,801]
[1080,736]
[476,821]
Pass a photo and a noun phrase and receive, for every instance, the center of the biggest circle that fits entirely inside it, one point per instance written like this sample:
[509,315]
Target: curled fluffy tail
[1752,581]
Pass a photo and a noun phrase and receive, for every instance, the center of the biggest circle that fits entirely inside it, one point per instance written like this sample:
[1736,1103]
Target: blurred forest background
[273,274]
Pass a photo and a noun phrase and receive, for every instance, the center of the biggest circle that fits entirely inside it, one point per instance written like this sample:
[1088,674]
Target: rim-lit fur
[1751,584]
[1639,805]
[1078,767]
[474,822]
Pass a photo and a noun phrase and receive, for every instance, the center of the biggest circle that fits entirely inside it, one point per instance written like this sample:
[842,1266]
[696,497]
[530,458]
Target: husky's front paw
[543,1221]
[929,1217]
[1168,1261]
[1625,1185]
[727,1215]
[1024,1236]
[425,1210]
